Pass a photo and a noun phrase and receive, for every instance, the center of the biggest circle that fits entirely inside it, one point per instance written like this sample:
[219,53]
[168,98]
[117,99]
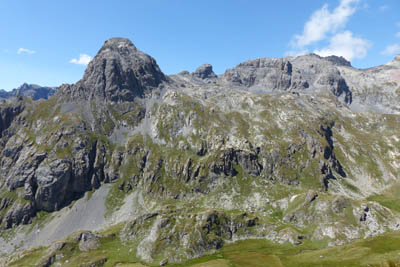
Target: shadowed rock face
[8,114]
[205,71]
[33,91]
[339,61]
[119,72]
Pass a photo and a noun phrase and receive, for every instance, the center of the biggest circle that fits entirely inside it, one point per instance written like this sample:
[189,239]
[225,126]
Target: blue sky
[39,40]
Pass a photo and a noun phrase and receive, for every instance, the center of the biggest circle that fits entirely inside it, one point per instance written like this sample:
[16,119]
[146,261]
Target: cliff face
[119,72]
[273,149]
[308,73]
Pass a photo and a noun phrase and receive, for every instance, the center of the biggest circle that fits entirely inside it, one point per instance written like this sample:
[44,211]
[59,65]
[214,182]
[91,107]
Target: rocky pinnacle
[119,72]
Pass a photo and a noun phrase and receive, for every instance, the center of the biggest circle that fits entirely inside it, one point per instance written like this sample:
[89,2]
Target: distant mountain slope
[33,91]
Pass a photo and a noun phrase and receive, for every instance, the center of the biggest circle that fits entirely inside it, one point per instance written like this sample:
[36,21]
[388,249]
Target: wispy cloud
[326,25]
[391,50]
[397,33]
[323,22]
[83,59]
[25,51]
[346,45]
[383,8]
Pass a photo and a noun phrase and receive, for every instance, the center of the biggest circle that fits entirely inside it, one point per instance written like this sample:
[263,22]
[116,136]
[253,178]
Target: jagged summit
[26,86]
[119,72]
[339,61]
[205,71]
[33,91]
[117,42]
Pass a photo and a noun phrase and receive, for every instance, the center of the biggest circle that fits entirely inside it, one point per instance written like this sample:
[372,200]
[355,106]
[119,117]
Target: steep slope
[180,166]
[375,89]
[119,72]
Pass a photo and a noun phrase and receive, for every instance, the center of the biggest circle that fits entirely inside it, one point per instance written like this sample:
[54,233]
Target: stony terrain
[290,150]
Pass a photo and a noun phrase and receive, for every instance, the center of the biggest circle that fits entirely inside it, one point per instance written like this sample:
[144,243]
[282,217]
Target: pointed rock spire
[119,72]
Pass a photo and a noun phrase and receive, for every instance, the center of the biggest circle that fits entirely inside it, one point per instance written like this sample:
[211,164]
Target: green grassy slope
[383,250]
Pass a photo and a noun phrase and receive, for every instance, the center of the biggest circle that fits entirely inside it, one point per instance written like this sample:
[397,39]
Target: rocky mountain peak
[24,86]
[338,61]
[33,91]
[117,43]
[119,72]
[205,71]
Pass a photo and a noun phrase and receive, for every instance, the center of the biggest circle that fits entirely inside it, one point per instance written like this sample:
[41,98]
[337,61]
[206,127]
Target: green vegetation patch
[378,251]
[29,257]
[115,198]
[389,198]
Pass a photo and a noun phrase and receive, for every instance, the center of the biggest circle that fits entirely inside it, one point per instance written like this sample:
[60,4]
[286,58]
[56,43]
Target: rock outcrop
[205,71]
[271,74]
[119,72]
[8,112]
[338,61]
[307,73]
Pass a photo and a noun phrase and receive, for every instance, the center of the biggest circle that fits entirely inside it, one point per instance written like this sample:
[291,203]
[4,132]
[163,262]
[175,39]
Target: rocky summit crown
[119,72]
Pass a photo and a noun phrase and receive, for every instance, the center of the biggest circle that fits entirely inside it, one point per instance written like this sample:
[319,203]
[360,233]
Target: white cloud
[329,25]
[382,8]
[323,22]
[25,51]
[391,50]
[346,45]
[83,59]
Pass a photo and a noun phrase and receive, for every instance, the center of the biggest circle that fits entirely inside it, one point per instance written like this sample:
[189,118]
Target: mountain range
[130,165]
[29,90]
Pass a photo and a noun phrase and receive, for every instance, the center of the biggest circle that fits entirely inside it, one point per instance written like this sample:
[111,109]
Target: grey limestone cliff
[119,72]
